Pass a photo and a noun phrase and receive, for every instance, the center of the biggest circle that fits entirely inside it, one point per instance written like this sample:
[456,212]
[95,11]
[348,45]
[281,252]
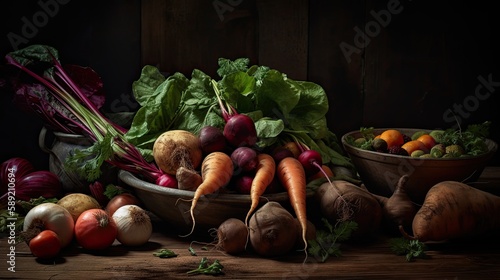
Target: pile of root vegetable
[254,131]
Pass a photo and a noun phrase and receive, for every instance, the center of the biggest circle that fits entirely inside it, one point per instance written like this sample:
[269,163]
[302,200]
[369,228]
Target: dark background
[421,61]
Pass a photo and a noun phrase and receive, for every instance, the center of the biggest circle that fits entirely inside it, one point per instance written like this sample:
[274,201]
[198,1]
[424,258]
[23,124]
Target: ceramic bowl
[172,205]
[381,171]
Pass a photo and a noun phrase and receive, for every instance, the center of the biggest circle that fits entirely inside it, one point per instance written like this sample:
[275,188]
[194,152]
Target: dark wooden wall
[419,59]
[104,35]
[382,63]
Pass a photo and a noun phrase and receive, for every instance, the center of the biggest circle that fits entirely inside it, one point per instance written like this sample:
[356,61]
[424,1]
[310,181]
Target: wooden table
[374,260]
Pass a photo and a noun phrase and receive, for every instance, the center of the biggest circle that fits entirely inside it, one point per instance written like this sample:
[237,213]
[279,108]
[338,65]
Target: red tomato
[45,245]
[95,229]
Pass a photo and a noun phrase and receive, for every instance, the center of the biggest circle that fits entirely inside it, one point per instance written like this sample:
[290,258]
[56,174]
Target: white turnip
[176,148]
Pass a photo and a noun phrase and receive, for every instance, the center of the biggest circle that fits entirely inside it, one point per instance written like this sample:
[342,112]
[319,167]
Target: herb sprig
[327,241]
[204,267]
[165,253]
[411,249]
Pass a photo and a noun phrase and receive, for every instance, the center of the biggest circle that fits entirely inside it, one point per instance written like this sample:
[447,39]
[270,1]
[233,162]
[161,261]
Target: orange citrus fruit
[428,140]
[393,137]
[414,145]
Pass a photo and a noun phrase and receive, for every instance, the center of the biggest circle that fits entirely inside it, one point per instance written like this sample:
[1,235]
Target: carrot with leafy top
[264,175]
[292,176]
[216,172]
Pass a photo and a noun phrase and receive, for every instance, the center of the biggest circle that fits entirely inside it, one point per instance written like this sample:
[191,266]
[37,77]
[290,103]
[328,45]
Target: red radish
[245,159]
[167,180]
[311,160]
[212,139]
[240,129]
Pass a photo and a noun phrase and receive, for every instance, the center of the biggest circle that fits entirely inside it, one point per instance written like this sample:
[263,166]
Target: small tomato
[95,229]
[45,245]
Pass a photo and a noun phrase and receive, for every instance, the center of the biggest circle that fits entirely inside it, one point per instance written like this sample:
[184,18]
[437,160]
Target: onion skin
[133,224]
[121,200]
[38,183]
[22,168]
[53,217]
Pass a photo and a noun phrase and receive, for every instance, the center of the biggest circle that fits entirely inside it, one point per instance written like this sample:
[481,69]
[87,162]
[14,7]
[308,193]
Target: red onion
[17,166]
[38,183]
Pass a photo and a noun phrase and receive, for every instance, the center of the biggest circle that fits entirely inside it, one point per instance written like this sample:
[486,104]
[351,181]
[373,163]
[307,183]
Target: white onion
[51,216]
[134,225]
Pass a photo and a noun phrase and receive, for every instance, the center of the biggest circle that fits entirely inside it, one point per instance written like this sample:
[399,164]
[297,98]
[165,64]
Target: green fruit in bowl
[379,145]
[438,151]
[437,134]
[417,153]
[454,150]
[417,134]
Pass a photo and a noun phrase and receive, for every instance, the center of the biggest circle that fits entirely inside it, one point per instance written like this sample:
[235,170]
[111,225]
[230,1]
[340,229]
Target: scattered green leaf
[411,249]
[209,269]
[112,191]
[27,205]
[192,251]
[165,253]
[327,241]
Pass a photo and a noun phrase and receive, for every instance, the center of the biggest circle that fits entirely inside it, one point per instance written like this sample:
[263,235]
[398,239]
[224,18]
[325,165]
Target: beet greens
[53,94]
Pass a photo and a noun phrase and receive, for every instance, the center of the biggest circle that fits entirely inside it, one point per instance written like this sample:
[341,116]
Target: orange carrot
[264,175]
[216,172]
[292,176]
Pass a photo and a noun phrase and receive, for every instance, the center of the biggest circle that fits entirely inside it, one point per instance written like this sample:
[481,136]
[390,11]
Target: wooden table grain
[373,259]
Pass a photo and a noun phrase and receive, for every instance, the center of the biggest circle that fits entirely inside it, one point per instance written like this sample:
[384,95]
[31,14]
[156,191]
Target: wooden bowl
[381,171]
[172,205]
